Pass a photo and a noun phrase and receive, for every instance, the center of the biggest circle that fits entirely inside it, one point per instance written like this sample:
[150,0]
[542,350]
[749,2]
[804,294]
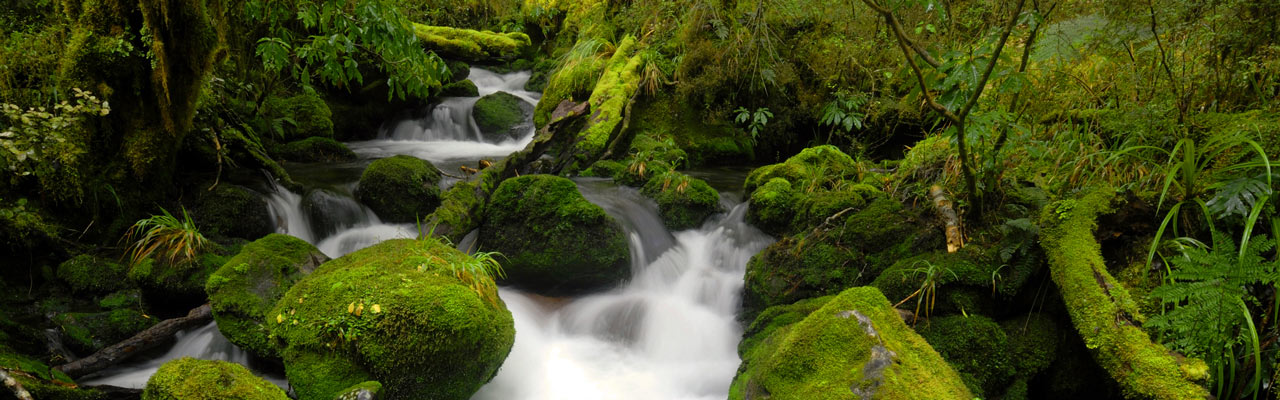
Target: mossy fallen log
[1102,310]
[471,45]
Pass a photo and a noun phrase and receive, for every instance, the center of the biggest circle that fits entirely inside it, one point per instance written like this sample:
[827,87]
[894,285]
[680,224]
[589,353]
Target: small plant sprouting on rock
[927,294]
[480,274]
[177,241]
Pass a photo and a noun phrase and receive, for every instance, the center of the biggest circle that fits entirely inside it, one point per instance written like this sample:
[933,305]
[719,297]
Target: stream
[670,332]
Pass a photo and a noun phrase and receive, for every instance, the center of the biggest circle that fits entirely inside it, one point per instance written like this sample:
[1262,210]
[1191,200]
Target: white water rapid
[668,333]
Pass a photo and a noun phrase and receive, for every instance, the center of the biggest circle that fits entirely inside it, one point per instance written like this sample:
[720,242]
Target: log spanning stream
[670,332]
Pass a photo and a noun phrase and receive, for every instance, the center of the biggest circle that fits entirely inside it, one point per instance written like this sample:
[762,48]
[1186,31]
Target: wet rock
[502,115]
[400,189]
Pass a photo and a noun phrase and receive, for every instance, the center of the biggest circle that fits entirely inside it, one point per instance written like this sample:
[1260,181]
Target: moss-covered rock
[949,274]
[406,313]
[233,211]
[400,188]
[853,346]
[462,88]
[86,333]
[683,201]
[188,378]
[502,115]
[243,290]
[86,273]
[179,286]
[771,206]
[314,149]
[976,347]
[361,391]
[471,45]
[555,241]
[793,268]
[308,111]
[801,193]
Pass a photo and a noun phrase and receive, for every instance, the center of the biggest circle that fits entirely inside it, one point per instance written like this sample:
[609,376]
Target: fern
[1202,294]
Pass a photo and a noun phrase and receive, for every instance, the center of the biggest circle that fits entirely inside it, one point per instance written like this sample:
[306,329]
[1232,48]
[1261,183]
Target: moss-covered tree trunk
[1102,311]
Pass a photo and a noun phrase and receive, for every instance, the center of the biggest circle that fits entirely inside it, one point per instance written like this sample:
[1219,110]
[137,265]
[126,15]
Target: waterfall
[669,333]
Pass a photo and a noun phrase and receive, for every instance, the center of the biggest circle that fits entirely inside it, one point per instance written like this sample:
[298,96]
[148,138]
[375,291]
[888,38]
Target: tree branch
[995,58]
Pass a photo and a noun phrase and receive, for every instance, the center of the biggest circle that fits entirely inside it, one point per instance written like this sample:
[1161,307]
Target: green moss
[796,268]
[683,202]
[886,231]
[398,313]
[232,211]
[1101,309]
[41,380]
[400,188]
[177,283]
[188,378]
[308,111]
[248,285]
[471,45]
[604,169]
[976,347]
[90,332]
[609,99]
[460,211]
[814,168]
[90,274]
[315,149]
[555,241]
[1034,343]
[362,390]
[853,346]
[638,172]
[462,88]
[952,274]
[503,115]
[131,298]
[772,206]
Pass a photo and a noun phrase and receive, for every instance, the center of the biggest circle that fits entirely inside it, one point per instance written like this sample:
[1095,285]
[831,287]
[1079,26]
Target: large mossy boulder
[190,379]
[975,346]
[314,149]
[233,211]
[554,240]
[683,201]
[410,314]
[790,270]
[248,285]
[852,345]
[400,189]
[87,273]
[502,115]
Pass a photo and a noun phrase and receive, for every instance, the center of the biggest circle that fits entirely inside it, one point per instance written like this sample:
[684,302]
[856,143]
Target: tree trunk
[152,337]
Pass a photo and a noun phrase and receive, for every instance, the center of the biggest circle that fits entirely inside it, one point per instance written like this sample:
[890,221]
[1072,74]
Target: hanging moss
[1101,309]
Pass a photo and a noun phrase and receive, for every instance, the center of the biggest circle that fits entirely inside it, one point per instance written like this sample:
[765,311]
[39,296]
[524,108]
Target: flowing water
[668,333]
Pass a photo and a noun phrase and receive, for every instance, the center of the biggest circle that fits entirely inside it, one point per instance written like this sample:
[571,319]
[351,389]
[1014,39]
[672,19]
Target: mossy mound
[86,333]
[188,378]
[683,201]
[310,115]
[233,211]
[400,188]
[792,269]
[462,88]
[555,241]
[853,346]
[962,280]
[177,285]
[797,195]
[245,289]
[406,313]
[976,347]
[86,273]
[502,115]
[314,149]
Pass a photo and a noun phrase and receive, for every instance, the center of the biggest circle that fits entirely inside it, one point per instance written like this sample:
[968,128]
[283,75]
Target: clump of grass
[176,241]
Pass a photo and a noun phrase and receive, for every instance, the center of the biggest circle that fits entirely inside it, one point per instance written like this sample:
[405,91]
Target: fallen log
[1102,310]
[148,339]
[14,386]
